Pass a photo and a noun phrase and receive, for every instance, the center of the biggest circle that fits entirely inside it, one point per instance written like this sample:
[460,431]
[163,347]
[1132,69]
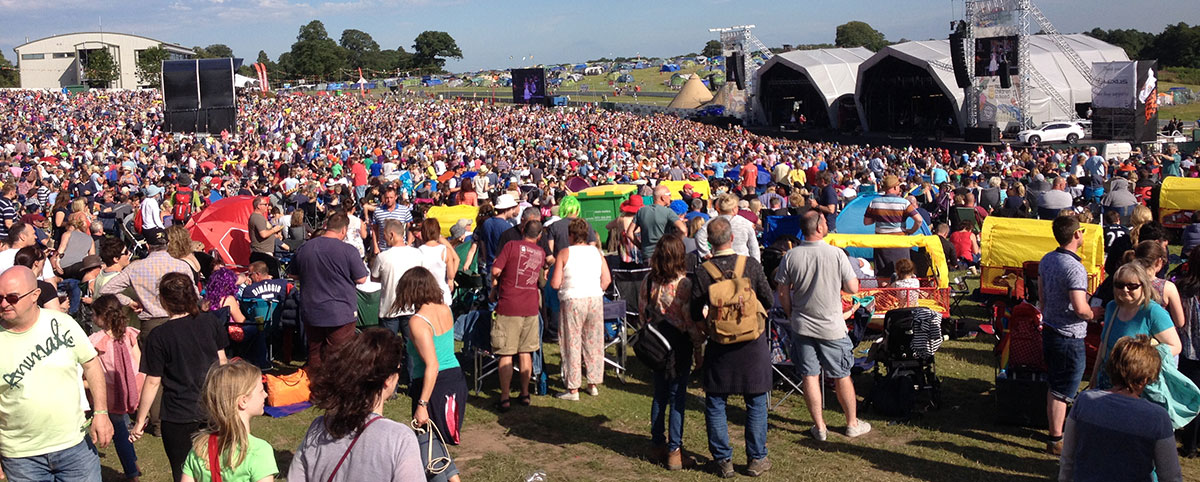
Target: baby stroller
[911,337]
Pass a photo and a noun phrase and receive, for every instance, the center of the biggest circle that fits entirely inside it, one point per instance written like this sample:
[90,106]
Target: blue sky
[490,32]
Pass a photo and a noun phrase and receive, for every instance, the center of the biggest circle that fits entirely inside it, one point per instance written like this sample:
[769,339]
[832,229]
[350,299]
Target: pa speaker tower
[198,95]
[735,70]
[958,57]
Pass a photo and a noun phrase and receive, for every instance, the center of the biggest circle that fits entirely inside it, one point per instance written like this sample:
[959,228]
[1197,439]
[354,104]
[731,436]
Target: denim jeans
[79,463]
[1066,359]
[71,287]
[672,392]
[394,324]
[718,429]
[125,451]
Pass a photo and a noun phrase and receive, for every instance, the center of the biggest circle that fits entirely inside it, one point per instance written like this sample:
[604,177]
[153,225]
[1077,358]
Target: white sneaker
[860,429]
[571,396]
[593,391]
[818,434]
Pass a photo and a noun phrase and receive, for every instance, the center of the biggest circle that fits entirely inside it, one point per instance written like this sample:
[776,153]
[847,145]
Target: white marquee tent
[834,72]
[1045,56]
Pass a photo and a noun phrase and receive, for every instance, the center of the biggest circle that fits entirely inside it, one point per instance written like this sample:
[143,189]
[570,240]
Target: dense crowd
[96,197]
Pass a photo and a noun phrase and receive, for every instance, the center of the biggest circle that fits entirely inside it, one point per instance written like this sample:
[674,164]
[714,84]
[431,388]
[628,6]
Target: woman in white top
[581,276]
[436,255]
[356,231]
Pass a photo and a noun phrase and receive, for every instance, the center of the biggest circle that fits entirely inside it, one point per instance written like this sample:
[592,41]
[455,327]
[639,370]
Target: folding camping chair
[621,311]
[260,330]
[781,358]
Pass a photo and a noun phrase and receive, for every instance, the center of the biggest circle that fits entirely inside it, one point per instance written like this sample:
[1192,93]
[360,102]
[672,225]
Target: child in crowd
[120,356]
[967,247]
[906,280]
[233,393]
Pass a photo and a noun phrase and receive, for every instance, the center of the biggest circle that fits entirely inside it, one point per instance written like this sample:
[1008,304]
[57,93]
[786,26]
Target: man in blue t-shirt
[1062,292]
[330,270]
[493,229]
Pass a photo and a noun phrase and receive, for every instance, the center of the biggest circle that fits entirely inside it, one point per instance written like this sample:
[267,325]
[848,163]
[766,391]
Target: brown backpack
[734,313]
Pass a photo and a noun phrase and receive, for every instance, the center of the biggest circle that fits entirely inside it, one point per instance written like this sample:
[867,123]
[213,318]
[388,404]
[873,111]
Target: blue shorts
[1066,360]
[811,356]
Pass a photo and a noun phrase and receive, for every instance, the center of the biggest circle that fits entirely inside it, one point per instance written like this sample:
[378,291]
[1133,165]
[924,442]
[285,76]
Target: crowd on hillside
[95,198]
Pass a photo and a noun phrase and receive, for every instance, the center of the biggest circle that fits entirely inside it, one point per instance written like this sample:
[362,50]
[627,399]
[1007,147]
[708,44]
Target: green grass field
[607,437]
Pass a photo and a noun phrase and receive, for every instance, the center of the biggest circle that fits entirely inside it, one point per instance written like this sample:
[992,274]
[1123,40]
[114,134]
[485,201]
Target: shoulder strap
[739,267]
[432,329]
[348,449]
[214,466]
[713,271]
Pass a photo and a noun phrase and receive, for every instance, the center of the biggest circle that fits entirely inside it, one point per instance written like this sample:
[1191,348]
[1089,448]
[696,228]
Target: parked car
[1069,132]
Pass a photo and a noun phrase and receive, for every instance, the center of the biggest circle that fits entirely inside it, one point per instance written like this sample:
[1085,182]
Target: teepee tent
[692,95]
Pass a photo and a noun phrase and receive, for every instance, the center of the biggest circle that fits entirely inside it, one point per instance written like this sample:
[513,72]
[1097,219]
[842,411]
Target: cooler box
[599,205]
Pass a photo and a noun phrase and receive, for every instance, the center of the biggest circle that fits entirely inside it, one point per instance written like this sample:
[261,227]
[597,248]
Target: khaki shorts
[514,334]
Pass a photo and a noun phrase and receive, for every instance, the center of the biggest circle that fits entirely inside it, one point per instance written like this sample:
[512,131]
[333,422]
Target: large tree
[358,46]
[214,51]
[149,66]
[859,34]
[1177,46]
[100,68]
[315,54]
[430,45]
[712,49]
[9,76]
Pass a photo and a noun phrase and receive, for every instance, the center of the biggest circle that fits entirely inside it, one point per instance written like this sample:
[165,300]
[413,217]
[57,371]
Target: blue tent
[639,65]
[669,68]
[850,221]
[579,67]
[625,78]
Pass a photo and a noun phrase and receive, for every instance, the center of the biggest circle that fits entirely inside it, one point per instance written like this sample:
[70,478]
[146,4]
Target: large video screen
[529,86]
[992,53]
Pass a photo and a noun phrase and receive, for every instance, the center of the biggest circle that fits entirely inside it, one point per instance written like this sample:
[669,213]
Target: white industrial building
[58,61]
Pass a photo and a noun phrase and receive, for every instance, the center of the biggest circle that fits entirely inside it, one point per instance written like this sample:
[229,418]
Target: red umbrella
[223,226]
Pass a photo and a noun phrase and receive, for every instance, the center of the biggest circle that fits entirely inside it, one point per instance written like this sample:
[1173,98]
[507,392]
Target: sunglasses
[13,298]
[1127,286]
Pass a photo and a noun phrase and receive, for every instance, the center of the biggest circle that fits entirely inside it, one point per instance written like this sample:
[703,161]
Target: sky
[494,34]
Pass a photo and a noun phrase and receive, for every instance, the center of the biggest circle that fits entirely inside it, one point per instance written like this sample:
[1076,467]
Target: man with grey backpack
[737,358]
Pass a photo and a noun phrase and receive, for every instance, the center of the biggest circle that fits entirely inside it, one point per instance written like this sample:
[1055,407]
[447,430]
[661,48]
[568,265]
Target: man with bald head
[40,414]
[654,220]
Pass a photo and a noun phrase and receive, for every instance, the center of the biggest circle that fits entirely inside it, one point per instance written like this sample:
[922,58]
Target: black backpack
[894,396]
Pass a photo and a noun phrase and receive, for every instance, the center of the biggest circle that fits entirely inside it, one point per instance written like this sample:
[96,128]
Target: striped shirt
[889,212]
[143,276]
[399,212]
[8,212]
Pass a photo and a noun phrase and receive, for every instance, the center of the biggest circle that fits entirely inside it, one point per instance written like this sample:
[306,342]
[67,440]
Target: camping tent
[677,79]
[579,67]
[613,76]
[692,95]
[687,64]
[625,78]
[669,68]
[593,70]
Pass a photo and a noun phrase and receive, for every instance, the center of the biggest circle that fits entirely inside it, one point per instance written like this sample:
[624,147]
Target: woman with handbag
[581,276]
[352,441]
[225,451]
[438,389]
[665,302]
[1133,311]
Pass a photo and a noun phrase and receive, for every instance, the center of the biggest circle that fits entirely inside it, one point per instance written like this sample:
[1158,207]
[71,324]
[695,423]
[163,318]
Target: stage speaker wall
[958,57]
[982,134]
[216,82]
[198,95]
[181,88]
[735,70]
[1005,76]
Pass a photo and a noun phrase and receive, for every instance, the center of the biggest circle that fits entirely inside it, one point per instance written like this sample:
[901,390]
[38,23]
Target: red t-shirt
[359,172]
[962,241]
[520,264]
[749,175]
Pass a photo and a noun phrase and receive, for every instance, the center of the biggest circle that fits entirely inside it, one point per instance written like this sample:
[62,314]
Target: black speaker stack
[735,70]
[198,95]
[958,58]
[981,134]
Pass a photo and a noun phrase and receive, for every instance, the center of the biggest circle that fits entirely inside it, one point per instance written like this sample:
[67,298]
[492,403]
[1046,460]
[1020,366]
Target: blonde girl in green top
[233,393]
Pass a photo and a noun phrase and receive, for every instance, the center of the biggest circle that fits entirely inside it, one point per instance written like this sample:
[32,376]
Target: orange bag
[287,389]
